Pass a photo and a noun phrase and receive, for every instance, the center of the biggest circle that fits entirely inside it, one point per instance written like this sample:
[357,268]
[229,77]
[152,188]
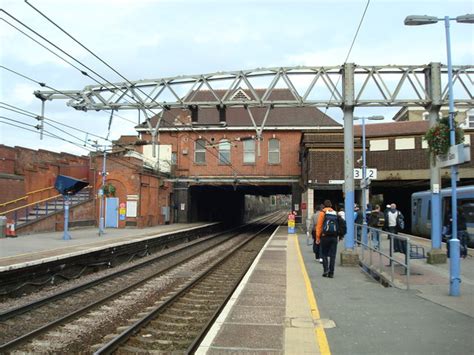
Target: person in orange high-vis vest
[327,231]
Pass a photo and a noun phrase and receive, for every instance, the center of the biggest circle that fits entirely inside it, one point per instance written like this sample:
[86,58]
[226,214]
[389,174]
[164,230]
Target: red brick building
[219,155]
[396,149]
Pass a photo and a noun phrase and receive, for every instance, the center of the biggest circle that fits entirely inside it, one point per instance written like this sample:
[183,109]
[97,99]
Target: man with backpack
[328,229]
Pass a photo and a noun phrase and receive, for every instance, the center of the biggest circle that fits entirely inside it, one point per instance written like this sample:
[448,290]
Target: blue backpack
[330,224]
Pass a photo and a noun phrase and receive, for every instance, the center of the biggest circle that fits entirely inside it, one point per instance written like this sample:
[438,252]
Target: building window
[249,151]
[224,151]
[174,158]
[470,121]
[404,143]
[273,151]
[378,145]
[200,151]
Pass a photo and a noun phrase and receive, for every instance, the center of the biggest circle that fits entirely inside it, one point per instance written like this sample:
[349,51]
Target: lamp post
[364,174]
[102,195]
[415,20]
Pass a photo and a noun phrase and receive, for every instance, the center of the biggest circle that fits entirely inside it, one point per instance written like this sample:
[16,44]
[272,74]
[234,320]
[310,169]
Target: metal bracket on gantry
[259,129]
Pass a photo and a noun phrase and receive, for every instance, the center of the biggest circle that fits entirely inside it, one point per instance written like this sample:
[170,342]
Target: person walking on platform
[376,221]
[358,219]
[394,222]
[312,228]
[328,229]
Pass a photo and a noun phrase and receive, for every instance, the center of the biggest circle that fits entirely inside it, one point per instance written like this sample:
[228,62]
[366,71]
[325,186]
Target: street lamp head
[468,18]
[370,118]
[417,20]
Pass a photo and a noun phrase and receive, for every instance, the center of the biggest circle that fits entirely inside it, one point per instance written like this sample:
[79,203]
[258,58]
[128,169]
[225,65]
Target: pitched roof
[239,117]
[399,128]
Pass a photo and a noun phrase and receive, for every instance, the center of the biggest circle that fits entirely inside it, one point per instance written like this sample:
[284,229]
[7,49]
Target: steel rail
[113,344]
[23,309]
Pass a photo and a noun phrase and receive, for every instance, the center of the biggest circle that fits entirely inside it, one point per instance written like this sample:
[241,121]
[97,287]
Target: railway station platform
[285,306]
[32,249]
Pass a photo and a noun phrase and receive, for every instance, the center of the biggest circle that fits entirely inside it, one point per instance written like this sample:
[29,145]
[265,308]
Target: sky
[150,39]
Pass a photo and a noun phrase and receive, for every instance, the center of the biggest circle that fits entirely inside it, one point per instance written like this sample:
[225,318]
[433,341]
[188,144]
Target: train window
[428,218]
[418,208]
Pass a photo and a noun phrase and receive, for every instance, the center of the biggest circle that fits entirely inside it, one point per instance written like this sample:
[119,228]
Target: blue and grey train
[421,210]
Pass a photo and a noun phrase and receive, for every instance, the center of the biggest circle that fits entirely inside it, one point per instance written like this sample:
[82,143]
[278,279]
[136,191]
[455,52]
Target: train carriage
[421,210]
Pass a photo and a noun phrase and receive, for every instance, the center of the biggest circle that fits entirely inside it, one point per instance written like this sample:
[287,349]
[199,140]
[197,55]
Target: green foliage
[437,137]
[109,190]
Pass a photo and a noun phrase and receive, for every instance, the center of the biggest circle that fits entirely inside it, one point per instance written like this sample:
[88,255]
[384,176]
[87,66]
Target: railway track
[63,322]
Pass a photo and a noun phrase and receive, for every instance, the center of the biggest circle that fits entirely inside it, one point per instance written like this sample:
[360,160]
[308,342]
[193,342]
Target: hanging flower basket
[438,139]
[109,190]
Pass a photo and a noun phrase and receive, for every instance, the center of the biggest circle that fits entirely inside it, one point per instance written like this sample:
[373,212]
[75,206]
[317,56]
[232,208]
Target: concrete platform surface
[285,306]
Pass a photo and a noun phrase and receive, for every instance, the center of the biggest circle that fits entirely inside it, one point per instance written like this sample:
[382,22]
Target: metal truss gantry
[332,86]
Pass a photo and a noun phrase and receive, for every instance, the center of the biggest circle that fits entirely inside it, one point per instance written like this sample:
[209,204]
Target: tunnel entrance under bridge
[230,204]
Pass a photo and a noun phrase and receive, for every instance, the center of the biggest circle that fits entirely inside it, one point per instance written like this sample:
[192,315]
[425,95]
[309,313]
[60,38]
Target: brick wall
[183,143]
[324,157]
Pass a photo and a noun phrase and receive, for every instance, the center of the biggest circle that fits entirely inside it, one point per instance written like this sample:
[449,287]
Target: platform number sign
[369,173]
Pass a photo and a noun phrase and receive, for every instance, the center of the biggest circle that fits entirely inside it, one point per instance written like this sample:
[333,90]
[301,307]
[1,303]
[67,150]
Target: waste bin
[3,224]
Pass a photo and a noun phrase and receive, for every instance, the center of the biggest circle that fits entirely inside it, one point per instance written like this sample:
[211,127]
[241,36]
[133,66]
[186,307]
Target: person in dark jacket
[462,232]
[312,228]
[358,219]
[394,222]
[376,218]
[328,240]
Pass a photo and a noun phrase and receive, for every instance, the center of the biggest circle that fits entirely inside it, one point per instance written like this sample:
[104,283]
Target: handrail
[13,201]
[32,204]
[40,190]
[25,197]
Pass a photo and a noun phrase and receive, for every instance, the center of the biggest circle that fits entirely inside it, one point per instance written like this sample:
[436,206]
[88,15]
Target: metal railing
[374,252]
[43,207]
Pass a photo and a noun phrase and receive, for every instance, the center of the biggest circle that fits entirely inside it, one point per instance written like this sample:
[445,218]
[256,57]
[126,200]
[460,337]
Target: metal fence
[377,255]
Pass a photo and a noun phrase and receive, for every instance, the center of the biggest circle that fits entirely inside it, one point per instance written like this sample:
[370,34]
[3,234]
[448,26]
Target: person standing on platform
[463,235]
[312,228]
[376,221]
[328,229]
[358,219]
[394,222]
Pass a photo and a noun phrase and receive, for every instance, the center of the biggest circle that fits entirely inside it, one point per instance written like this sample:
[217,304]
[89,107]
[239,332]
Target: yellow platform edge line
[319,331]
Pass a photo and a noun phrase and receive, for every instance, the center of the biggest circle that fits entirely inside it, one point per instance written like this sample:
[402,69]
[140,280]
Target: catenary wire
[348,53]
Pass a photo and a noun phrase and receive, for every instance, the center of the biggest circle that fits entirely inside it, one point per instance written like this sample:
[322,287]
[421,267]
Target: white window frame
[378,145]
[249,151]
[405,143]
[224,152]
[273,151]
[200,151]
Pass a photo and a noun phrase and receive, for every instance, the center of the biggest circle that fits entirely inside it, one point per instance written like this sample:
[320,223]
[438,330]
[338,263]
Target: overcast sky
[154,39]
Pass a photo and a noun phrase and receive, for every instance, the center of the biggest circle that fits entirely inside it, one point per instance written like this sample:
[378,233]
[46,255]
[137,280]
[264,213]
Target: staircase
[40,210]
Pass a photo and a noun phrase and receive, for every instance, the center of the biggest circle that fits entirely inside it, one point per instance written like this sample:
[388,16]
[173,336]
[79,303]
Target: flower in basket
[109,190]
[438,138]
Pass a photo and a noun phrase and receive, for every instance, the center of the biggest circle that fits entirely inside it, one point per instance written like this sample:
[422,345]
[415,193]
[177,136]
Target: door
[111,212]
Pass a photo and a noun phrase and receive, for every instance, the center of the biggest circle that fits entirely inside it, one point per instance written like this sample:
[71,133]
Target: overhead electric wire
[349,52]
[73,58]
[55,90]
[47,133]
